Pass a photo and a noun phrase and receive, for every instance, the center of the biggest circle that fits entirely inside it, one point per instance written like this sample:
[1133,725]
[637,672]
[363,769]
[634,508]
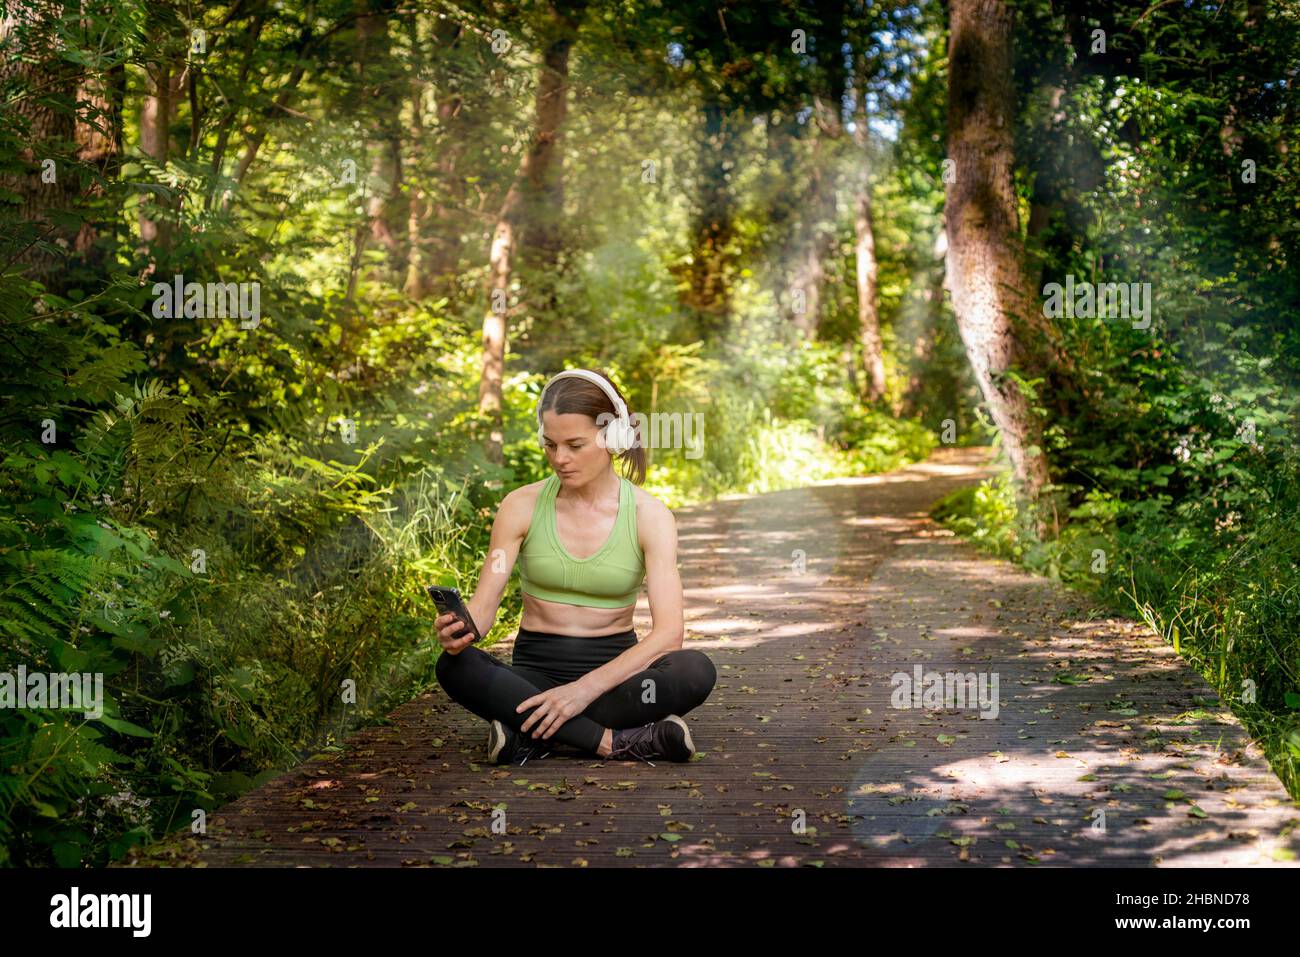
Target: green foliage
[777,418]
[1172,453]
[223,665]
[989,515]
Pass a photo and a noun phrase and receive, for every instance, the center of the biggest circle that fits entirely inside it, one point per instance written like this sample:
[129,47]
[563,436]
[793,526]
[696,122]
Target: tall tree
[534,185]
[542,240]
[871,384]
[742,64]
[708,273]
[435,239]
[38,85]
[986,271]
[817,230]
[378,100]
[164,87]
[100,99]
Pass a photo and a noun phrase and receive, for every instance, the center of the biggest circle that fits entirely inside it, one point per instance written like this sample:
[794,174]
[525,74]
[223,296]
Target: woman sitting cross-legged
[585,539]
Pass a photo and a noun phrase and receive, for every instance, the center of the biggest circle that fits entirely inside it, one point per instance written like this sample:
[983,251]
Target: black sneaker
[505,745]
[668,738]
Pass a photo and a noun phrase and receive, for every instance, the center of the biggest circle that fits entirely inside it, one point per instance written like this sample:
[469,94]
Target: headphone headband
[617,436]
[619,408]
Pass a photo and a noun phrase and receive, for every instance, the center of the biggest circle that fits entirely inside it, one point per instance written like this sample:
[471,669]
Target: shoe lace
[635,741]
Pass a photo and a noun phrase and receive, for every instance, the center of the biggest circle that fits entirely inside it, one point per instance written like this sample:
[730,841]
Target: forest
[282,283]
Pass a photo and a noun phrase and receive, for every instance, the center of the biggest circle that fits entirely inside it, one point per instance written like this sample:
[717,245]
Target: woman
[585,539]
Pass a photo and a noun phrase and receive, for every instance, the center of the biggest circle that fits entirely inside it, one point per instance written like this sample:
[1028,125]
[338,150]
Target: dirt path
[1105,748]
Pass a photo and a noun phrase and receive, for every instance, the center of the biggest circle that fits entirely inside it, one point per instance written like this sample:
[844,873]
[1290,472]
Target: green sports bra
[610,578]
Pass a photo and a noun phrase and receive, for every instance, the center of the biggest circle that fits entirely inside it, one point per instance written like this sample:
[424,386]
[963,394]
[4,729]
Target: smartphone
[449,601]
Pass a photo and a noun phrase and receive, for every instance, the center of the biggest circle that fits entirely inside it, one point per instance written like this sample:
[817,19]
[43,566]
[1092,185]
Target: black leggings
[674,683]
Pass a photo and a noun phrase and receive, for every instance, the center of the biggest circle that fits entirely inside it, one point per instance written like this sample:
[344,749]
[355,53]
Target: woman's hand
[449,626]
[554,707]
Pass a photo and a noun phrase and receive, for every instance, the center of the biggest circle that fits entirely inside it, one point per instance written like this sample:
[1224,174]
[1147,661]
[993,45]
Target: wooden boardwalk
[1106,749]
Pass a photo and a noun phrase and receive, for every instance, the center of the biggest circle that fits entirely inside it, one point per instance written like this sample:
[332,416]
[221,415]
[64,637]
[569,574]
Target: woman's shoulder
[656,527]
[649,507]
[524,495]
[518,504]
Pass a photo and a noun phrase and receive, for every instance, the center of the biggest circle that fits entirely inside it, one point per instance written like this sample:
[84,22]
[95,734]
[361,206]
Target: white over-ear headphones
[618,435]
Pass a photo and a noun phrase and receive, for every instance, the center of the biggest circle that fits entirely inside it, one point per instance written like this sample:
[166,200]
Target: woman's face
[571,447]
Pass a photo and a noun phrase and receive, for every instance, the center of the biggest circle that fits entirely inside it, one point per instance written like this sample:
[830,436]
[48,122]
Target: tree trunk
[99,146]
[419,266]
[781,203]
[532,177]
[161,100]
[820,215]
[42,115]
[990,291]
[379,110]
[816,236]
[872,383]
[374,51]
[873,350]
[500,265]
[923,347]
[706,279]
[817,227]
[386,180]
[434,234]
[540,242]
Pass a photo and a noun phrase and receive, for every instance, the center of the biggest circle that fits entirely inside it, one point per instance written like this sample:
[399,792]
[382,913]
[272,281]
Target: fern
[99,378]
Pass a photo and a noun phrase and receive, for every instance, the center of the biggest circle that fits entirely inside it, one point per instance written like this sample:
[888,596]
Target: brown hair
[575,394]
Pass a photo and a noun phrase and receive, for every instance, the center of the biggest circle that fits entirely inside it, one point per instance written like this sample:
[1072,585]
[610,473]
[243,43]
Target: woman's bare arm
[508,530]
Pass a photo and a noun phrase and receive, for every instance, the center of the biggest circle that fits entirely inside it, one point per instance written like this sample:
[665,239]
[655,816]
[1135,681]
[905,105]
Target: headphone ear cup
[610,436]
[606,438]
[620,436]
